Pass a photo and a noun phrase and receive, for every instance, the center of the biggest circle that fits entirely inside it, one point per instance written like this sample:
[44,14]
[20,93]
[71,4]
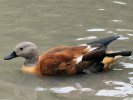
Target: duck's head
[26,50]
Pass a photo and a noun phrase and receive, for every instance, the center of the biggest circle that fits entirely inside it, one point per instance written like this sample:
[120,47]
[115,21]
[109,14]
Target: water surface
[51,23]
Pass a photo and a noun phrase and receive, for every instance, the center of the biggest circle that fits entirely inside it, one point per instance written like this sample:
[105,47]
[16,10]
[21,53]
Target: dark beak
[12,55]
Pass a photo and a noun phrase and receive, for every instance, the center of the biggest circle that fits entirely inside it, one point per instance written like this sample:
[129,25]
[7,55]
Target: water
[51,23]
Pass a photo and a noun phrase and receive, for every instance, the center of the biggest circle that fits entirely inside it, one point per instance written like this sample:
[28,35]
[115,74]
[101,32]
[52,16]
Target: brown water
[50,23]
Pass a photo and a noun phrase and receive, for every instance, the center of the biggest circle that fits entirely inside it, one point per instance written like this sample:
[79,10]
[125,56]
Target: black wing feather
[105,41]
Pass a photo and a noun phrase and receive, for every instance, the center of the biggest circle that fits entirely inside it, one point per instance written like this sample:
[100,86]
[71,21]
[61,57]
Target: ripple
[87,38]
[118,2]
[63,89]
[131,57]
[66,89]
[101,9]
[110,93]
[86,89]
[131,79]
[49,15]
[109,32]
[123,89]
[117,69]
[128,98]
[130,34]
[123,38]
[40,89]
[83,89]
[130,73]
[117,20]
[125,30]
[95,30]
[127,65]
[57,90]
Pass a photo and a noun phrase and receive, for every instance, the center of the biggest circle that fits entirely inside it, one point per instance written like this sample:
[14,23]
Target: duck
[68,60]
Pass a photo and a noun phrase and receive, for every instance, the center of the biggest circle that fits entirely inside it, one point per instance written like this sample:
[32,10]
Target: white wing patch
[79,59]
[88,46]
[91,49]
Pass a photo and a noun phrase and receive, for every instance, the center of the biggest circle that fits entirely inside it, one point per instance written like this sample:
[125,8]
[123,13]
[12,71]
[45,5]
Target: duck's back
[61,60]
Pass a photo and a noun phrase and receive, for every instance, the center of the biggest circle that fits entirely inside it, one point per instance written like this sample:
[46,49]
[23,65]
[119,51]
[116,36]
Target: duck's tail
[111,58]
[122,53]
[105,41]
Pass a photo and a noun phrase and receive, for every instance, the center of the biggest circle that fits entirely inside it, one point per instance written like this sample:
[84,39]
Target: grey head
[26,50]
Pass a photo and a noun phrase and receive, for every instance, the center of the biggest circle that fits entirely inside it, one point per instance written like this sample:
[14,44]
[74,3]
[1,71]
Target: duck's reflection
[26,89]
[71,86]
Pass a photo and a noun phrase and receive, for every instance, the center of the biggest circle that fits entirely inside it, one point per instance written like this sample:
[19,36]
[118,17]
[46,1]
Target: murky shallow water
[50,23]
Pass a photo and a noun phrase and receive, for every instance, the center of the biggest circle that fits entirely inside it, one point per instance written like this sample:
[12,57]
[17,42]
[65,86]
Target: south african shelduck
[67,60]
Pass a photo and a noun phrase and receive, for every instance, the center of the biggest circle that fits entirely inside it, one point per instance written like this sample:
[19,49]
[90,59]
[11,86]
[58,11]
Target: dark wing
[95,59]
[95,54]
[105,41]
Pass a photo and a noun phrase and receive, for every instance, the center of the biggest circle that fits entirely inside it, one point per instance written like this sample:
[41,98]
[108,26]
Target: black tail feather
[105,41]
[123,53]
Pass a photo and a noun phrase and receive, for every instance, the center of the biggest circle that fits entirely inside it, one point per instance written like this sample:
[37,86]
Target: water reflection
[131,57]
[95,30]
[101,9]
[66,89]
[130,34]
[118,2]
[110,32]
[25,92]
[117,20]
[87,38]
[130,73]
[131,79]
[40,89]
[128,98]
[73,87]
[127,65]
[125,30]
[117,69]
[26,89]
[121,90]
[123,38]
[63,89]
[110,93]
[51,23]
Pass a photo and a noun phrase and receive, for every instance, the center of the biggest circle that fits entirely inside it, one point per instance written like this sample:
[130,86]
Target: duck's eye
[21,48]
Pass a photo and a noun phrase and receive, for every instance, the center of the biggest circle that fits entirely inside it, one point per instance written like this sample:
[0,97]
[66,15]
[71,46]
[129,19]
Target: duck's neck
[30,62]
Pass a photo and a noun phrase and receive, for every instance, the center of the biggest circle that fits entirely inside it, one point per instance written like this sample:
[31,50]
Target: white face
[26,50]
